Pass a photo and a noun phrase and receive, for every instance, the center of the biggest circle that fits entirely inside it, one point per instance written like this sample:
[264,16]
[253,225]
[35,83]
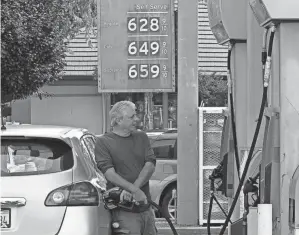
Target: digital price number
[147,71]
[146,24]
[143,29]
[147,48]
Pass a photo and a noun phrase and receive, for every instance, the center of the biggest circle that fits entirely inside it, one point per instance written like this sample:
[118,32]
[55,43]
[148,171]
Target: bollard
[265,219]
[252,221]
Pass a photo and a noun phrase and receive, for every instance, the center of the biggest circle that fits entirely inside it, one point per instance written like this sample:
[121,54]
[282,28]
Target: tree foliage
[34,36]
[213,90]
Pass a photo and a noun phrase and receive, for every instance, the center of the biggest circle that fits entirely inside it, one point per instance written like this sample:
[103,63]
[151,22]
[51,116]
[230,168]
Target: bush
[213,90]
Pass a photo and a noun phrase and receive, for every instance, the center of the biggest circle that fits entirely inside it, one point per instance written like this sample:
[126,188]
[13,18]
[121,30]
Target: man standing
[127,160]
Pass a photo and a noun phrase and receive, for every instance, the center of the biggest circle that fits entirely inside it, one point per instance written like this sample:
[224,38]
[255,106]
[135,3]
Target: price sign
[136,49]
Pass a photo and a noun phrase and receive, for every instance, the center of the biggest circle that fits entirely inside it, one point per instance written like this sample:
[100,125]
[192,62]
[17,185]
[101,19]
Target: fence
[211,121]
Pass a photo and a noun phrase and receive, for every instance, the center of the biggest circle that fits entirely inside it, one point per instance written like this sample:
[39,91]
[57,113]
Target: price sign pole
[187,112]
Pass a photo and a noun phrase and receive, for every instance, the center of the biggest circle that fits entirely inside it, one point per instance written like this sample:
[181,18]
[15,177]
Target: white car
[50,184]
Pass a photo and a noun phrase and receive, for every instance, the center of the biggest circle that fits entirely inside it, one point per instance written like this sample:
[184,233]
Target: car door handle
[13,202]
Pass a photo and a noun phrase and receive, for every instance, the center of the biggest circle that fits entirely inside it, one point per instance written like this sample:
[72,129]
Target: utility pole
[188,203]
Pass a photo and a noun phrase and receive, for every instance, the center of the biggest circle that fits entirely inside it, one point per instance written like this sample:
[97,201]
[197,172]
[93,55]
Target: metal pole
[187,112]
[165,110]
[103,106]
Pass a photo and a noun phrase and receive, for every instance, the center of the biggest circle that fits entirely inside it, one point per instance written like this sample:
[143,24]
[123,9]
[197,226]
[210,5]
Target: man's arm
[116,179]
[145,174]
[149,166]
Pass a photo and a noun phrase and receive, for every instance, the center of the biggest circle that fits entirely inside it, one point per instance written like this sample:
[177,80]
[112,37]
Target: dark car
[163,183]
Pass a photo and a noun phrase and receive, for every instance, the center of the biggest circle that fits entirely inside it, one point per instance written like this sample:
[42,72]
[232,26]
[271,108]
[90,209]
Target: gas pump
[230,27]
[280,161]
[272,29]
[234,36]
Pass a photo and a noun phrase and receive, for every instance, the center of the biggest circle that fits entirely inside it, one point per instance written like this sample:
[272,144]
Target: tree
[213,90]
[34,36]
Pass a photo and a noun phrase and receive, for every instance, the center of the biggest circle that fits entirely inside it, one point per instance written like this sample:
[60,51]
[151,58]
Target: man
[127,160]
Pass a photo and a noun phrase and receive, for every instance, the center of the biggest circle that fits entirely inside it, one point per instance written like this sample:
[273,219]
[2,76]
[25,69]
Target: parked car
[163,183]
[50,183]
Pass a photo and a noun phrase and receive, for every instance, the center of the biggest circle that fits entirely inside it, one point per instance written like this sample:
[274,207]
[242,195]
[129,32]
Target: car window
[164,148]
[34,156]
[85,150]
[90,144]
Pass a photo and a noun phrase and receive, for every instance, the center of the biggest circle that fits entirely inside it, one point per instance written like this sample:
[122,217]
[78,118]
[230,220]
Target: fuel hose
[264,53]
[209,215]
[252,147]
[232,111]
[233,122]
[213,198]
[164,216]
[212,188]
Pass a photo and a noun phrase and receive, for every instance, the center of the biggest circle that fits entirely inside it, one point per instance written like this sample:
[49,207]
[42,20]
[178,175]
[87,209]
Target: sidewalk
[164,229]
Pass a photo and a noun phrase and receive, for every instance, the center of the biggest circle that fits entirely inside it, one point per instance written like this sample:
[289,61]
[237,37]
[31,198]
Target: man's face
[129,120]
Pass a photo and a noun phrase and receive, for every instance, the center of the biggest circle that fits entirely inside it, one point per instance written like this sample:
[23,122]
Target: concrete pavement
[189,231]
[164,229]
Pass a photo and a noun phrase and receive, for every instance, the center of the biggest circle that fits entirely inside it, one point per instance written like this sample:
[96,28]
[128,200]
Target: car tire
[165,202]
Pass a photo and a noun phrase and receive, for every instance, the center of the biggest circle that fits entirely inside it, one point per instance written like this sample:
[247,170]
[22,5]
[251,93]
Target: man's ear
[118,120]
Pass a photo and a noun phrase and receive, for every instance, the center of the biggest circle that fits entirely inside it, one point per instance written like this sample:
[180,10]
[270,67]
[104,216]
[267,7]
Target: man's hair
[117,111]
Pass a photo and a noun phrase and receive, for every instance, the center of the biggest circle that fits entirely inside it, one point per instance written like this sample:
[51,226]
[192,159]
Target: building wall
[21,111]
[77,106]
[75,100]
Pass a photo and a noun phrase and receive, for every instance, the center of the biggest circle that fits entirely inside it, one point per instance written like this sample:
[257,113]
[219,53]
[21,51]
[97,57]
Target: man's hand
[126,196]
[139,197]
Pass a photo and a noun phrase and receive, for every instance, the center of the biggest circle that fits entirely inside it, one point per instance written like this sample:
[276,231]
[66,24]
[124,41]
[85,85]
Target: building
[212,57]
[75,100]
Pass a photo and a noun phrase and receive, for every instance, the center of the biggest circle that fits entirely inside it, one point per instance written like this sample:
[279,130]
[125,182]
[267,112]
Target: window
[90,144]
[85,150]
[165,148]
[34,156]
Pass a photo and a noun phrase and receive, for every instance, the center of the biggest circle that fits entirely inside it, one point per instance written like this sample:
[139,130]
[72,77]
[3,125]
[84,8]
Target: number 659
[144,71]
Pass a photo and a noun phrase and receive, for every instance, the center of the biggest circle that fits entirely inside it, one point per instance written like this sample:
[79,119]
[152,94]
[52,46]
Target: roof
[212,57]
[47,131]
[82,58]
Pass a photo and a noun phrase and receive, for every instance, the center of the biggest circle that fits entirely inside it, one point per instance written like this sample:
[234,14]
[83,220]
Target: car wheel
[169,204]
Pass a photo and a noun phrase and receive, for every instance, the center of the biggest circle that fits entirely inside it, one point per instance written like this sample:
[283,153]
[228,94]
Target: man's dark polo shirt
[127,155]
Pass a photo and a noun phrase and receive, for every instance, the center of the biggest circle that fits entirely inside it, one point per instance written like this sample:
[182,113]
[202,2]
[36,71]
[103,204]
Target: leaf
[213,90]
[33,41]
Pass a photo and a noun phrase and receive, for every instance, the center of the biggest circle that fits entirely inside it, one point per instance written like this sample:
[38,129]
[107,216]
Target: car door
[165,152]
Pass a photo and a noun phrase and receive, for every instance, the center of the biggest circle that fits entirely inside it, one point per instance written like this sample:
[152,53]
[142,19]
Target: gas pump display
[136,46]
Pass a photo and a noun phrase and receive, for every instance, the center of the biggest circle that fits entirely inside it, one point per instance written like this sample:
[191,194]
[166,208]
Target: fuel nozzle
[217,173]
[250,185]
